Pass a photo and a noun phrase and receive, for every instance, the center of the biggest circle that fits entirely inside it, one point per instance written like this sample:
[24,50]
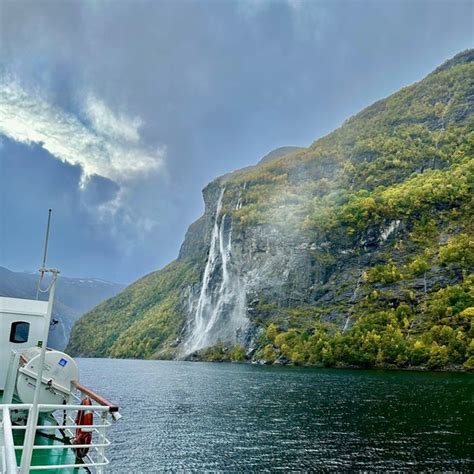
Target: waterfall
[220,310]
[351,302]
[389,230]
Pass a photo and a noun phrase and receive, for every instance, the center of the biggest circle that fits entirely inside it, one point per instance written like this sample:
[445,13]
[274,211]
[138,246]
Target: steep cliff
[357,250]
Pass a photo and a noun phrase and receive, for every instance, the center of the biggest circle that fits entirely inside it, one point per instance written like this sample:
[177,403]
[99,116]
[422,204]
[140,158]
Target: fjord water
[232,417]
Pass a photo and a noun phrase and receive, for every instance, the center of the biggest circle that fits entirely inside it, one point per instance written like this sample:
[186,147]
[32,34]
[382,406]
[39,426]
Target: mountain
[74,297]
[279,152]
[357,250]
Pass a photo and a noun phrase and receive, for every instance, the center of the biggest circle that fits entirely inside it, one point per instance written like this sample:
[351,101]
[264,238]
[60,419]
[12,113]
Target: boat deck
[46,457]
[53,457]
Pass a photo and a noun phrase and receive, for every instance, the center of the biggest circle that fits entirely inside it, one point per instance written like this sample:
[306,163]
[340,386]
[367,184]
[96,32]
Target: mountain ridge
[74,297]
[348,252]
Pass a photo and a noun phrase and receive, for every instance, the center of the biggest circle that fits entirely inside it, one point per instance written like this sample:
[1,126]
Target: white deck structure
[15,310]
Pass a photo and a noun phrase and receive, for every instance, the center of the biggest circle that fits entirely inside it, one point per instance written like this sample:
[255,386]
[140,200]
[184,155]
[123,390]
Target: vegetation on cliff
[384,204]
[406,161]
[435,333]
[138,321]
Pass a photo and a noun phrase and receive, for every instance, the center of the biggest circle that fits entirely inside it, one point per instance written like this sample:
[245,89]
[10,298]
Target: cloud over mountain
[99,140]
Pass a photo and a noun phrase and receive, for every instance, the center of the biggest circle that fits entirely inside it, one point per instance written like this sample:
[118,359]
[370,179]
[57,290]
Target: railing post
[11,377]
[102,438]
[10,458]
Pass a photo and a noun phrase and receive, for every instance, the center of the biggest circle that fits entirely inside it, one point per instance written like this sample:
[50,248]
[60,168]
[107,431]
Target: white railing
[8,447]
[57,420]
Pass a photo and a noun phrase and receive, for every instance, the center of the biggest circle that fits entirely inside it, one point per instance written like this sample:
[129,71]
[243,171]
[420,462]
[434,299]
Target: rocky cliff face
[244,266]
[306,247]
[217,305]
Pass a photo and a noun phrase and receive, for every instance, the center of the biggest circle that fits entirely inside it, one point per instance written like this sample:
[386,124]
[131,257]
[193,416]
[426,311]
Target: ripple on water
[181,416]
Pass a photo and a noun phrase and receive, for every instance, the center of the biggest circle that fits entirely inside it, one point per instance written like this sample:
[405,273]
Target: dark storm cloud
[216,84]
[99,190]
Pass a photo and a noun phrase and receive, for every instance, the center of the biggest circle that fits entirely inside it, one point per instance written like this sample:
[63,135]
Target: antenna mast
[34,410]
[45,254]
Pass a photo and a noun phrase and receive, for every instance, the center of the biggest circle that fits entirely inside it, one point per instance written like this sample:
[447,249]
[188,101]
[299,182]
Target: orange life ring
[84,435]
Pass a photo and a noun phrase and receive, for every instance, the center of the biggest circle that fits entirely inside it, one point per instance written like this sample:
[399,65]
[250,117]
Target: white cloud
[127,225]
[116,127]
[295,4]
[251,8]
[103,143]
[309,17]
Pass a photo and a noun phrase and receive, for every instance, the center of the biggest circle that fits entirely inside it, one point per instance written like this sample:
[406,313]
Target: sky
[116,114]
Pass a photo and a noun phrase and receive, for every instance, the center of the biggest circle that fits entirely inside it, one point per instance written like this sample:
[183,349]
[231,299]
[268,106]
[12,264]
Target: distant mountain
[74,296]
[357,250]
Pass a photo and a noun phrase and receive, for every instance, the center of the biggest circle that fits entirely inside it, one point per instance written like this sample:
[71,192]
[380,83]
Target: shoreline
[451,369]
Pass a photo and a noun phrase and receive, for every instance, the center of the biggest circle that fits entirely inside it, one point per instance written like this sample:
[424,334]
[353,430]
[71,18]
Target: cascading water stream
[352,302]
[220,311]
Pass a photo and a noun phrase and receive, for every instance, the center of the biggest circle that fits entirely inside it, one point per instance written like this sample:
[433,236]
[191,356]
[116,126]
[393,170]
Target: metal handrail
[65,466]
[95,396]
[64,446]
[71,427]
[96,457]
[54,407]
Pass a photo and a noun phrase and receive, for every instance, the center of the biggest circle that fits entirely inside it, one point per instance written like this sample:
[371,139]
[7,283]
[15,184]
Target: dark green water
[229,417]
